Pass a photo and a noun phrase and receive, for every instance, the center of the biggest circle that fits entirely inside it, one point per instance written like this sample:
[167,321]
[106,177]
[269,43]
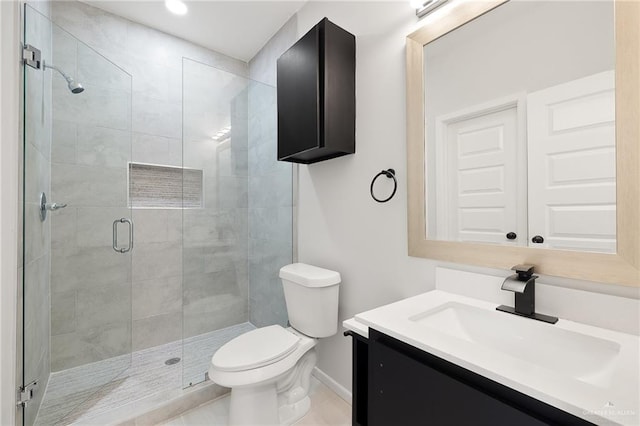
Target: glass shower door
[77,231]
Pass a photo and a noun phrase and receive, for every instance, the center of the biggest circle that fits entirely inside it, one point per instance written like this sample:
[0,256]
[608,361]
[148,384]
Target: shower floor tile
[77,395]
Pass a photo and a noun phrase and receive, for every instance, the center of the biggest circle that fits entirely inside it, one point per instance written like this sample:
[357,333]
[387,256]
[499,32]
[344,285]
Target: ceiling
[236,28]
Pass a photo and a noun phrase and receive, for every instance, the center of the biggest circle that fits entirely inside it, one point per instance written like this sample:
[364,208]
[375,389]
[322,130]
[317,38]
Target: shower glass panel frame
[77,307]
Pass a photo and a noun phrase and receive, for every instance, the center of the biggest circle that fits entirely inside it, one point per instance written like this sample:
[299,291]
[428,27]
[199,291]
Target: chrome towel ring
[390,173]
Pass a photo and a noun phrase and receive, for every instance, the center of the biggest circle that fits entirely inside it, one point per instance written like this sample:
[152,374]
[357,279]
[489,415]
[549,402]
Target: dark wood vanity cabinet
[398,384]
[316,85]
[360,379]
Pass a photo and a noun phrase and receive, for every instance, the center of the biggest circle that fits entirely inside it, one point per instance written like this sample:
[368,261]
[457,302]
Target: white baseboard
[340,390]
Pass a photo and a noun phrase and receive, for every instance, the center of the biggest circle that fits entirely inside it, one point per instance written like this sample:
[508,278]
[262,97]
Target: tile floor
[327,409]
[91,391]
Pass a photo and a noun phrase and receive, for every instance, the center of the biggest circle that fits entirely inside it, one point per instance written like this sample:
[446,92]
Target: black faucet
[523,284]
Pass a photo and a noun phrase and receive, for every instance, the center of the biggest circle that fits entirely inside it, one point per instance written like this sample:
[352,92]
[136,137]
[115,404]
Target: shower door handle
[115,235]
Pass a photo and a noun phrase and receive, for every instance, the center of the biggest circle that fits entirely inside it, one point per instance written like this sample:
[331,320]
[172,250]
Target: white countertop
[615,401]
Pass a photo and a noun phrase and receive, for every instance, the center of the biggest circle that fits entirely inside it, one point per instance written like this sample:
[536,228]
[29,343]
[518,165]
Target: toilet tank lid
[309,276]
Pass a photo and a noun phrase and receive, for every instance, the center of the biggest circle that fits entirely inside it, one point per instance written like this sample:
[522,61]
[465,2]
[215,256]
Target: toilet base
[291,413]
[282,401]
[264,408]
[252,406]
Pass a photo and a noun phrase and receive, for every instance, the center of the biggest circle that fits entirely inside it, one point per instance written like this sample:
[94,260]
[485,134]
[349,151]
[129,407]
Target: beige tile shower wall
[270,212]
[121,119]
[215,286]
[271,201]
[91,291]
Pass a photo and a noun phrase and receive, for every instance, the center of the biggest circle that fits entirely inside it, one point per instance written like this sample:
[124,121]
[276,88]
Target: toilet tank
[311,294]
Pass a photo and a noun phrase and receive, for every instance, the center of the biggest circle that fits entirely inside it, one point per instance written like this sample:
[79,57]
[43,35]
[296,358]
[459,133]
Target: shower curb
[157,408]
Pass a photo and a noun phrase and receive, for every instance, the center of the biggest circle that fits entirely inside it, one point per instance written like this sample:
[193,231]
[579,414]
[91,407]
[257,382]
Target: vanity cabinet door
[360,379]
[406,392]
[408,386]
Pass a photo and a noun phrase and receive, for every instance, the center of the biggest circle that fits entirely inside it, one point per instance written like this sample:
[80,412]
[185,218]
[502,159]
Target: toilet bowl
[269,369]
[267,387]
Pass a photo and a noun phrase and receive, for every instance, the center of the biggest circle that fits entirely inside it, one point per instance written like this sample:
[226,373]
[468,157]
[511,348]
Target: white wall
[340,226]
[9,142]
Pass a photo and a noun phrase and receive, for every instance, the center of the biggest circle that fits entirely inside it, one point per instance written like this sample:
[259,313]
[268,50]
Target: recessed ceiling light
[222,134]
[177,7]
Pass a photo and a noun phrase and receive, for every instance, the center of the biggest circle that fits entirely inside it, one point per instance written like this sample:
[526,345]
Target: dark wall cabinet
[316,96]
[398,384]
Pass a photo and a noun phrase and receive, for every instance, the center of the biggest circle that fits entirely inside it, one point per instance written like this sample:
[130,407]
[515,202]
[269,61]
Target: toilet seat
[255,349]
[265,373]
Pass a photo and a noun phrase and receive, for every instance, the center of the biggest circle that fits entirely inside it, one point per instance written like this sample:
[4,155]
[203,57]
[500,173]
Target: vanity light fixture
[425,7]
[177,7]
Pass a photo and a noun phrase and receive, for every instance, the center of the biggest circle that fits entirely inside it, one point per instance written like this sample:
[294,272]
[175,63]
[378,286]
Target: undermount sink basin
[586,358]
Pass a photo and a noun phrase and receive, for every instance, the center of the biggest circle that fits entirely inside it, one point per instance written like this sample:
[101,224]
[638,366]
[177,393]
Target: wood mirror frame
[623,267]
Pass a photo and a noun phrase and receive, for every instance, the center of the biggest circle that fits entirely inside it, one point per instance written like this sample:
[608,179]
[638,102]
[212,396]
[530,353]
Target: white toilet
[269,369]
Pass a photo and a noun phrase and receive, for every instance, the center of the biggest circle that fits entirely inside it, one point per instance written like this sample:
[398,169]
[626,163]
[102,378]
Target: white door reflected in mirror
[520,128]
[572,157]
[477,174]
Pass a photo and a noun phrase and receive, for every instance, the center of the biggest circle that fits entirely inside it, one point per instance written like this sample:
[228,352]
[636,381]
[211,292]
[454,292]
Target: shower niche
[156,186]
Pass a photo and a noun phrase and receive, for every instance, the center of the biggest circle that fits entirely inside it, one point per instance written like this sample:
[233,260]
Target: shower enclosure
[154,246]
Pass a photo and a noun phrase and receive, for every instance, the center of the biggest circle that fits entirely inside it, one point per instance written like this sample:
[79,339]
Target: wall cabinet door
[316,96]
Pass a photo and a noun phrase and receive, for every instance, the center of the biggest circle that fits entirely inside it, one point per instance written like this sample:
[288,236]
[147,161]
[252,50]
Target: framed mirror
[523,137]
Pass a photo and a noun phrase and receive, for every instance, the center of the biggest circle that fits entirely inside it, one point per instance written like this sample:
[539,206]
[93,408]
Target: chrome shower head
[73,85]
